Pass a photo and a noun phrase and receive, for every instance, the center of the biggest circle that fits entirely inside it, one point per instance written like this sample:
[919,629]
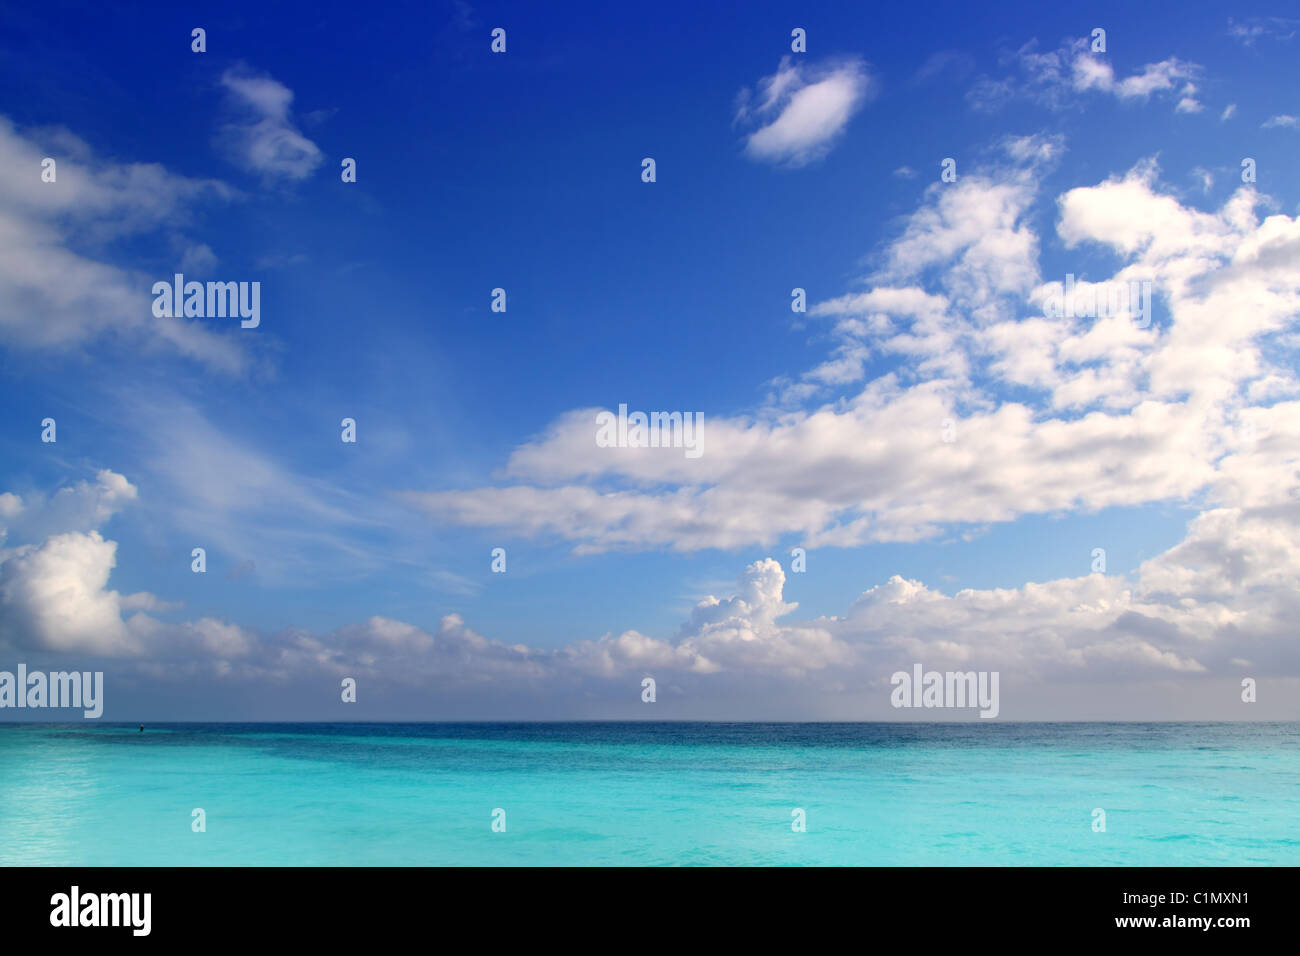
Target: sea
[984,793]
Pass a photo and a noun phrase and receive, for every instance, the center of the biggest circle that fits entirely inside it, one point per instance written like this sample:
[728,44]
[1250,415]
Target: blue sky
[522,170]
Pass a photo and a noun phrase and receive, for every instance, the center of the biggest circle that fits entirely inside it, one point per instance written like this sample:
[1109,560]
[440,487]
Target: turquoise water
[639,793]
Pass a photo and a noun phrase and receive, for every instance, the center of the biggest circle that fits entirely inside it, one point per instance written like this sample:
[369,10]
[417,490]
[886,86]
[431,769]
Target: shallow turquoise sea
[650,793]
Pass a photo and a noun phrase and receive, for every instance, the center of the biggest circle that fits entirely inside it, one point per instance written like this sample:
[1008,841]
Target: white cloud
[1227,594]
[1285,121]
[1115,414]
[1228,590]
[1251,29]
[54,597]
[198,260]
[264,138]
[223,639]
[1057,77]
[53,590]
[738,634]
[801,111]
[54,296]
[81,507]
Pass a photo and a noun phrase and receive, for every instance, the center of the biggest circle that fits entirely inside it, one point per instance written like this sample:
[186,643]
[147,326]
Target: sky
[1102,505]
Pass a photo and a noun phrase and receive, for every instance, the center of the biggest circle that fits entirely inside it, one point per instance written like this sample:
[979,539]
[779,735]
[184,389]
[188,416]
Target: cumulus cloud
[1222,599]
[740,634]
[1219,600]
[800,111]
[1108,410]
[53,588]
[263,137]
[83,506]
[59,292]
[55,597]
[55,594]
[1045,412]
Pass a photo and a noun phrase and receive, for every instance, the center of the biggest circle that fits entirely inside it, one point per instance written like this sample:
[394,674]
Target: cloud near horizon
[995,406]
[1220,601]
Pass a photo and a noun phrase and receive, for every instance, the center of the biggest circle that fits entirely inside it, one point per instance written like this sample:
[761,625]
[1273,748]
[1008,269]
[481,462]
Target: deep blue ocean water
[982,793]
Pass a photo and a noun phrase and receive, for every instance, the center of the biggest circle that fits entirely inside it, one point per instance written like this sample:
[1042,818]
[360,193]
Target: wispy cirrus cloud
[1058,77]
[1251,29]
